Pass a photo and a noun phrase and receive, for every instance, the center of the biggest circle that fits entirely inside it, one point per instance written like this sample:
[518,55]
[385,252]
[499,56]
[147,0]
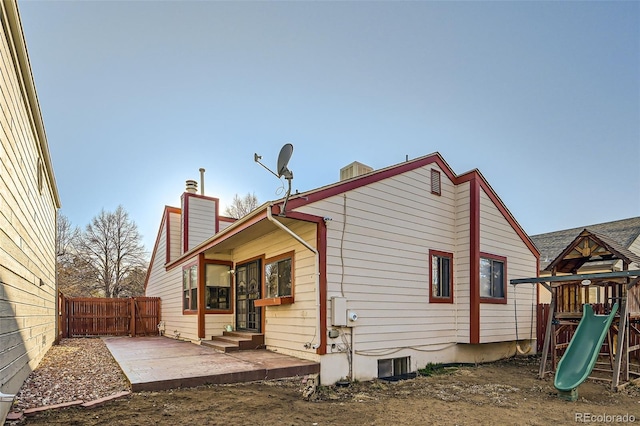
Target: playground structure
[607,345]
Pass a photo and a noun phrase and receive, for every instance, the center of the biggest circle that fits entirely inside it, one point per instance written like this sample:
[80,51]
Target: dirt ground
[506,392]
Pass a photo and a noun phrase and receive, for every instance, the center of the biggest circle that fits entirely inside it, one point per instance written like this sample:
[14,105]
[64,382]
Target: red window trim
[495,300]
[437,299]
[231,288]
[285,300]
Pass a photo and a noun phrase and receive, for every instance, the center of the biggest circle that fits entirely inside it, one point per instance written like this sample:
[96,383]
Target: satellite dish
[283,161]
[283,171]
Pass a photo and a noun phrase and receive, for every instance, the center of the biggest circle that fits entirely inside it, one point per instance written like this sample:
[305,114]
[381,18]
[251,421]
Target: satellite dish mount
[283,171]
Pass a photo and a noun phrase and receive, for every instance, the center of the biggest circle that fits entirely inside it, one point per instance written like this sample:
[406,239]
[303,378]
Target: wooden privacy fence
[93,316]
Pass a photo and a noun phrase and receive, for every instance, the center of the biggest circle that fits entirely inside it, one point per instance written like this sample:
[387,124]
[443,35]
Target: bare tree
[242,206]
[111,245]
[73,273]
[67,237]
[133,284]
[75,278]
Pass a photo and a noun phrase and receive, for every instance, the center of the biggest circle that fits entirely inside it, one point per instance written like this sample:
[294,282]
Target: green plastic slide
[581,355]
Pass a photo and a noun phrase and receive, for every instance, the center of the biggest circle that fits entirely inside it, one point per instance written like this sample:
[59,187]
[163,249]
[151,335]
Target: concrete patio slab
[157,363]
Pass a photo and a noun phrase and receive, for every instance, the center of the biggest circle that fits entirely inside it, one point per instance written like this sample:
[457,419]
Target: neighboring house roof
[622,232]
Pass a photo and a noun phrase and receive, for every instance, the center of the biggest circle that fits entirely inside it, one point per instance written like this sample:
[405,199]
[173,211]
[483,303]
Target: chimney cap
[192,186]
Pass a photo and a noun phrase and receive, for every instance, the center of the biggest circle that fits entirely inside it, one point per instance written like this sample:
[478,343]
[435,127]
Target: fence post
[132,312]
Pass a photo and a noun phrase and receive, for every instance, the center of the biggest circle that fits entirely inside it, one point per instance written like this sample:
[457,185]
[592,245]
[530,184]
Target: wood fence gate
[93,316]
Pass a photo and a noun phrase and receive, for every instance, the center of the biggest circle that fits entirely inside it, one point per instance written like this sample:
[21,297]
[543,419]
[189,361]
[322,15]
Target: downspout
[280,225]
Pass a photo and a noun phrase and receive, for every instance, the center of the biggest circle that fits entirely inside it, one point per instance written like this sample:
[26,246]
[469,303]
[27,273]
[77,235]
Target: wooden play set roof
[588,247]
[623,232]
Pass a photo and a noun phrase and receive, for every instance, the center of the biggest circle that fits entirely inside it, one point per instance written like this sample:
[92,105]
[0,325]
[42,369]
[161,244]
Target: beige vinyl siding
[175,238]
[461,261]
[497,321]
[379,259]
[168,286]
[223,225]
[288,327]
[27,230]
[202,220]
[214,324]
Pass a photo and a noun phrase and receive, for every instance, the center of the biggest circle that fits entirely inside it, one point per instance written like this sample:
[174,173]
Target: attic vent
[354,169]
[435,182]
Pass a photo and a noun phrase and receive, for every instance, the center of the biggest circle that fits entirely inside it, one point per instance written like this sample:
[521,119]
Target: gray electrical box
[339,311]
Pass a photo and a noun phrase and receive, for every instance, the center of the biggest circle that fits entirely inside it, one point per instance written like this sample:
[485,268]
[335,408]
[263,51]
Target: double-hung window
[493,278]
[190,288]
[441,277]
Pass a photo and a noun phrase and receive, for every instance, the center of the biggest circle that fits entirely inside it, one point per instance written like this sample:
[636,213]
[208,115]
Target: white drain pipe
[280,225]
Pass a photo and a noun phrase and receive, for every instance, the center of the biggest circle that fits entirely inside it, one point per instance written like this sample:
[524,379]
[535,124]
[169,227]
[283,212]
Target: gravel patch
[76,369]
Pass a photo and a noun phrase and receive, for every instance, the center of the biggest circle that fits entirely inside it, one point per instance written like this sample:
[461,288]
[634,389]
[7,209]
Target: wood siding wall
[202,220]
[167,285]
[224,225]
[379,259]
[497,237]
[284,328]
[462,262]
[27,223]
[175,238]
[288,327]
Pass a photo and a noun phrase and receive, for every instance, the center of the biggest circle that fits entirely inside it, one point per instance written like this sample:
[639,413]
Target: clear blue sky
[542,97]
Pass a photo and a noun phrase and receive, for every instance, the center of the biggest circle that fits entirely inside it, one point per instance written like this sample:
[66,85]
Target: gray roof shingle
[551,244]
